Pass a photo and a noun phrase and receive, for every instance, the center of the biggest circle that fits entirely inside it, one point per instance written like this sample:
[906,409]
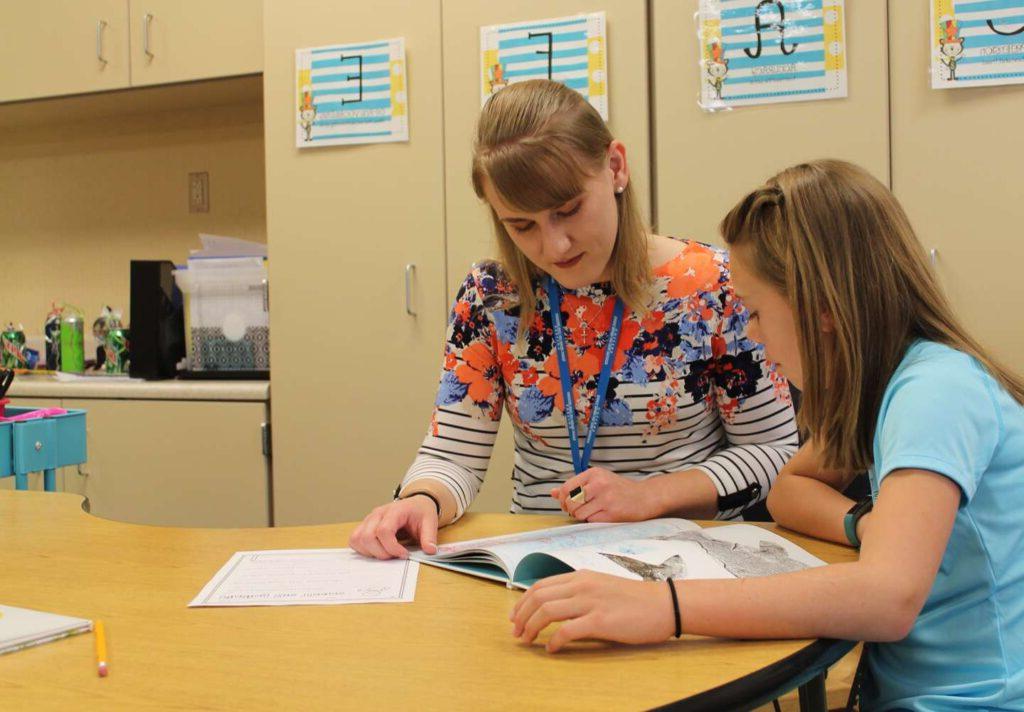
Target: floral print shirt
[688,388]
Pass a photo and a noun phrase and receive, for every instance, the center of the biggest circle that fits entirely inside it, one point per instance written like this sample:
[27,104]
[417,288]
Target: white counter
[138,389]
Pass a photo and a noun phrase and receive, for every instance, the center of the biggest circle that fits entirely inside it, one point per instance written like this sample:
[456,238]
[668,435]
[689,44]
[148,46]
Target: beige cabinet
[57,47]
[180,463]
[705,162]
[52,47]
[354,371]
[168,462]
[957,158]
[183,40]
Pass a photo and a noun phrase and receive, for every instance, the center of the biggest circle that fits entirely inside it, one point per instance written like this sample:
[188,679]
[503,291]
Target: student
[840,293]
[692,422]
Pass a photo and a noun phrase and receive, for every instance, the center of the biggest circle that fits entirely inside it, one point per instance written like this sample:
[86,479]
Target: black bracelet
[433,499]
[675,607]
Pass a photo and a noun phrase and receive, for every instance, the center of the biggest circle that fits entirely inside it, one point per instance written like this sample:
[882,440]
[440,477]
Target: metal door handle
[100,25]
[410,270]
[146,19]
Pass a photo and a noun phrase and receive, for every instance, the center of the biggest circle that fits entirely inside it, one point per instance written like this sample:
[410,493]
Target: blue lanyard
[555,297]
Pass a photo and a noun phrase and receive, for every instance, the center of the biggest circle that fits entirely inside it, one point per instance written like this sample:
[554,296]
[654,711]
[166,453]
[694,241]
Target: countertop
[138,389]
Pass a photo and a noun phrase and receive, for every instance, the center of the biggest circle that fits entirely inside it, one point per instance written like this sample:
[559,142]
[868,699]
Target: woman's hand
[595,606]
[377,534]
[608,497]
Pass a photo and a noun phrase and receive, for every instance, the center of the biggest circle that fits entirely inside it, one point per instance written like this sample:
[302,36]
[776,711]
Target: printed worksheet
[308,577]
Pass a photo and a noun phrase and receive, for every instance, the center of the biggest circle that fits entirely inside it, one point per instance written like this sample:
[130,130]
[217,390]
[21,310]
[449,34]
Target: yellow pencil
[101,649]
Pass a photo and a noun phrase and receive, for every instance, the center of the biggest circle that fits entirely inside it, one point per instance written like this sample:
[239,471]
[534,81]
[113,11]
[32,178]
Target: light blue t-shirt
[942,412]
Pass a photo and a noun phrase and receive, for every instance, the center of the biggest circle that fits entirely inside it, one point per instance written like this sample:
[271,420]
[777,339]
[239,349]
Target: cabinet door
[53,47]
[705,162]
[181,463]
[957,160]
[354,374]
[184,40]
[35,479]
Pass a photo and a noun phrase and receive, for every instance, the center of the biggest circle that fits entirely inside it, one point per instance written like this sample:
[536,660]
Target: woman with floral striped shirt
[588,313]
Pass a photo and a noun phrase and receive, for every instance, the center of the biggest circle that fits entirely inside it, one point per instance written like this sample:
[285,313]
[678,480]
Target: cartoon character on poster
[951,46]
[307,114]
[496,75]
[717,67]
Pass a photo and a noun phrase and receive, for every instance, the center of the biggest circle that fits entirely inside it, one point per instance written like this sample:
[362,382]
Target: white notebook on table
[21,628]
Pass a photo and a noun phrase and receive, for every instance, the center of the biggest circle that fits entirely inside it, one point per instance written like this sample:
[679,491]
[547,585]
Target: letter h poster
[977,43]
[771,51]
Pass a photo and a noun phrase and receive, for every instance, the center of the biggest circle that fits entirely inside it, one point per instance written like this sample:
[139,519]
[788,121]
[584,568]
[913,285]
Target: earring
[620,189]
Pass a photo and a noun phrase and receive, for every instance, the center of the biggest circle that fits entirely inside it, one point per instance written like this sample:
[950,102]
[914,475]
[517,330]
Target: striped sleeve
[467,410]
[756,410]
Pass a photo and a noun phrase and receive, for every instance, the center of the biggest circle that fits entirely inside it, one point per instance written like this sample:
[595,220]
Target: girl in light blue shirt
[836,286]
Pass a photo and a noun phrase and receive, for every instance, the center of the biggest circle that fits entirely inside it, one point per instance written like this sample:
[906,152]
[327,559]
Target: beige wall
[90,182]
[958,169]
[705,162]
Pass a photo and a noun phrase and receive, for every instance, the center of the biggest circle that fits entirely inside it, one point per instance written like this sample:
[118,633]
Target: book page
[308,577]
[735,551]
[511,549]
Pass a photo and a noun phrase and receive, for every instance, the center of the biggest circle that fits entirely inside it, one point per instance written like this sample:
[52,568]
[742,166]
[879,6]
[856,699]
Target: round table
[452,647]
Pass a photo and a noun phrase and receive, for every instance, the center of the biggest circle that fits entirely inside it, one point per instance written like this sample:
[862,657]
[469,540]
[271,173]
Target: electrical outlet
[199,192]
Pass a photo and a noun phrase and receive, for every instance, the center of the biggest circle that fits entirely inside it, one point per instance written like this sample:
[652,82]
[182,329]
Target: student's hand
[595,606]
[608,497]
[377,535]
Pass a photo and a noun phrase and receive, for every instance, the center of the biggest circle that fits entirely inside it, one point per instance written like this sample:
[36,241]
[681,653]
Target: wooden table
[451,648]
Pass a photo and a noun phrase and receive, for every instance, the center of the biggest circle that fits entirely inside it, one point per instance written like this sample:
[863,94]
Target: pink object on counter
[41,413]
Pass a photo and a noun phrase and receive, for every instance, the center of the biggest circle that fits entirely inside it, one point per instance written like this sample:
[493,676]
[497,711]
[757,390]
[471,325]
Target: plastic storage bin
[41,444]
[227,314]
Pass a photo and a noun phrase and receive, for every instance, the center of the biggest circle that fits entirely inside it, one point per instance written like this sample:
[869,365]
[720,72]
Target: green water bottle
[72,341]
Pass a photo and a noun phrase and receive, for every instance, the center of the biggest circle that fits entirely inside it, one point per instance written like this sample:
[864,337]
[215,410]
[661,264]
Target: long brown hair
[833,240]
[537,141]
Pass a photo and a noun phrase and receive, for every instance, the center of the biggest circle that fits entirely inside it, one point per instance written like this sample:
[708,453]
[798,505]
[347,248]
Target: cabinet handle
[100,25]
[410,270]
[146,19]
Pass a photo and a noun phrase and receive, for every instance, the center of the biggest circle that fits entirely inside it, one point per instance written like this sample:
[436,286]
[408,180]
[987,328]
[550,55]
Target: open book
[21,628]
[654,550]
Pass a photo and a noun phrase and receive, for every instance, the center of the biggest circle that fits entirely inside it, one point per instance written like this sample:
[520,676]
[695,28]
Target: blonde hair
[537,141]
[833,240]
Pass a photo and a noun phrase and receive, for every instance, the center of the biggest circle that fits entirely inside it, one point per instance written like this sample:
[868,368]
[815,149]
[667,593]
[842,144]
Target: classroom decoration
[571,50]
[770,51]
[350,94]
[977,43]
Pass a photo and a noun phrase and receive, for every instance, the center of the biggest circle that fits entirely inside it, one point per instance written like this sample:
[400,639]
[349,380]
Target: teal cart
[40,445]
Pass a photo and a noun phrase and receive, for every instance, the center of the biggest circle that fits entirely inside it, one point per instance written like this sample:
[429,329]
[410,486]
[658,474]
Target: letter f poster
[771,51]
[977,43]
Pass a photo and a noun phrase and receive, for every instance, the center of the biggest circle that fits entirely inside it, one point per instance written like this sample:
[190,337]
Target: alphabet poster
[353,93]
[977,43]
[771,51]
[570,50]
